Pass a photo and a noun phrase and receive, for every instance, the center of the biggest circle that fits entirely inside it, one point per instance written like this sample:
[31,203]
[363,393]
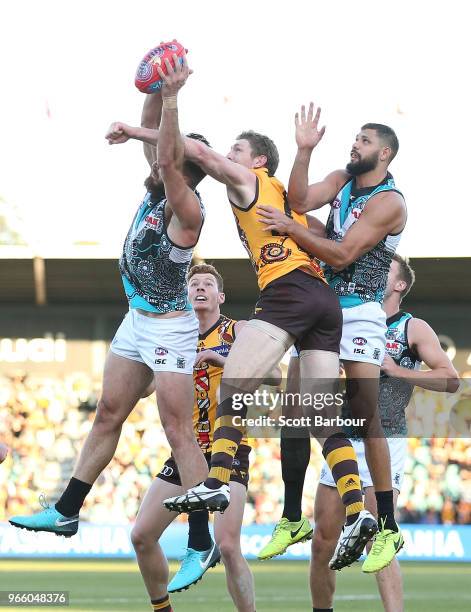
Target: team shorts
[363,334]
[305,307]
[398,452]
[239,473]
[164,345]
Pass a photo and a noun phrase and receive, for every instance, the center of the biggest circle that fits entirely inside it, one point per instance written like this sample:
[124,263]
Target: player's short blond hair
[207,269]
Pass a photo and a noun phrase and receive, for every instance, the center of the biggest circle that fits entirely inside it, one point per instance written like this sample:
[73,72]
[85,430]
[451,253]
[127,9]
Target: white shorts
[164,345]
[398,452]
[363,334]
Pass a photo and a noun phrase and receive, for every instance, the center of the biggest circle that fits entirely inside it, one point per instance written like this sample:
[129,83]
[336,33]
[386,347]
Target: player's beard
[363,165]
[155,188]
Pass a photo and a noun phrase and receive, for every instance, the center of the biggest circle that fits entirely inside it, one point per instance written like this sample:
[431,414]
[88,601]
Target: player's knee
[323,544]
[178,436]
[108,415]
[140,539]
[229,548]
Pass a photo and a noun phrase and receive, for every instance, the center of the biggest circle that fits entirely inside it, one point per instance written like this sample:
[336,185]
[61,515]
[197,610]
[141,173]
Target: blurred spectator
[44,421]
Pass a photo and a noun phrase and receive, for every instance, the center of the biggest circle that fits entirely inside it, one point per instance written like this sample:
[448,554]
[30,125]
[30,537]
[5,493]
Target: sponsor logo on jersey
[153,221]
[393,348]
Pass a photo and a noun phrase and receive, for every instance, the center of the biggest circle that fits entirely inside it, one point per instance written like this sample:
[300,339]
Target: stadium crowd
[45,421]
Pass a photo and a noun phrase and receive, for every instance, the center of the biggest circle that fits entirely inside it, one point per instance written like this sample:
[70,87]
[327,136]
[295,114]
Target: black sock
[295,454]
[71,500]
[385,503]
[199,537]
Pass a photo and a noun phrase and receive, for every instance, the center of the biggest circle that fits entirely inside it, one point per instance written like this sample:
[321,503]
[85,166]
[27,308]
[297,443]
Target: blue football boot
[48,520]
[195,564]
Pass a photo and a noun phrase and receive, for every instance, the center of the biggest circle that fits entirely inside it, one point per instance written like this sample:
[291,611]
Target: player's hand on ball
[308,133]
[209,357]
[3,452]
[274,219]
[118,133]
[176,76]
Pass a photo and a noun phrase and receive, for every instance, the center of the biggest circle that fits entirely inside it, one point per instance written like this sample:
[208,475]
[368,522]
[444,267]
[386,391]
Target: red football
[147,78]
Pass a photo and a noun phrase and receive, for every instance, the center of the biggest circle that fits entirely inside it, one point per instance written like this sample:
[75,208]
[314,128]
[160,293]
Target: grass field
[280,586]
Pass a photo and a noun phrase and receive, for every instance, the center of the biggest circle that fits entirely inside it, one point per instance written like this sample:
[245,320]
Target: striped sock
[342,461]
[226,441]
[162,604]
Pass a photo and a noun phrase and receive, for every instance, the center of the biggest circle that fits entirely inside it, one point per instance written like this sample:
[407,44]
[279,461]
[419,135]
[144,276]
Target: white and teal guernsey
[394,393]
[365,279]
[153,268]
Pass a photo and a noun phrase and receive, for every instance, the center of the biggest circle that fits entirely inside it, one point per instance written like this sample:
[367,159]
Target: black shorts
[239,473]
[305,307]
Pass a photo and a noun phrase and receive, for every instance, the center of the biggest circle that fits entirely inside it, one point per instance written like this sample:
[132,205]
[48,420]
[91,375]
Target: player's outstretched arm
[239,180]
[170,151]
[150,118]
[302,196]
[316,227]
[241,183]
[384,215]
[441,376]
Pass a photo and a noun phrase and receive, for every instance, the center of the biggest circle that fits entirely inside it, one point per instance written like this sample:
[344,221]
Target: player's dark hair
[207,269]
[386,134]
[192,170]
[406,274]
[262,145]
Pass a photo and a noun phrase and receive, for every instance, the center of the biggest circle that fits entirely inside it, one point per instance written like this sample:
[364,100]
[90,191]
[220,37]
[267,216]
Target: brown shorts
[239,473]
[305,307]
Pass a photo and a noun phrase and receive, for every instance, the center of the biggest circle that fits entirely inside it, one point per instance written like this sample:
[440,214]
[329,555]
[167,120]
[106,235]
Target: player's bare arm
[241,183]
[150,118]
[302,196]
[316,227]
[384,215]
[183,202]
[441,376]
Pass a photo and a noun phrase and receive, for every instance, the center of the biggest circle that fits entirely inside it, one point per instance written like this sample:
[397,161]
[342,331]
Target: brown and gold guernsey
[207,379]
[272,255]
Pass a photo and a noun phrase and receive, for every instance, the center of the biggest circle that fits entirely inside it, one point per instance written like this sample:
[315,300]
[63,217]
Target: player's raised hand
[176,75]
[118,133]
[308,133]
